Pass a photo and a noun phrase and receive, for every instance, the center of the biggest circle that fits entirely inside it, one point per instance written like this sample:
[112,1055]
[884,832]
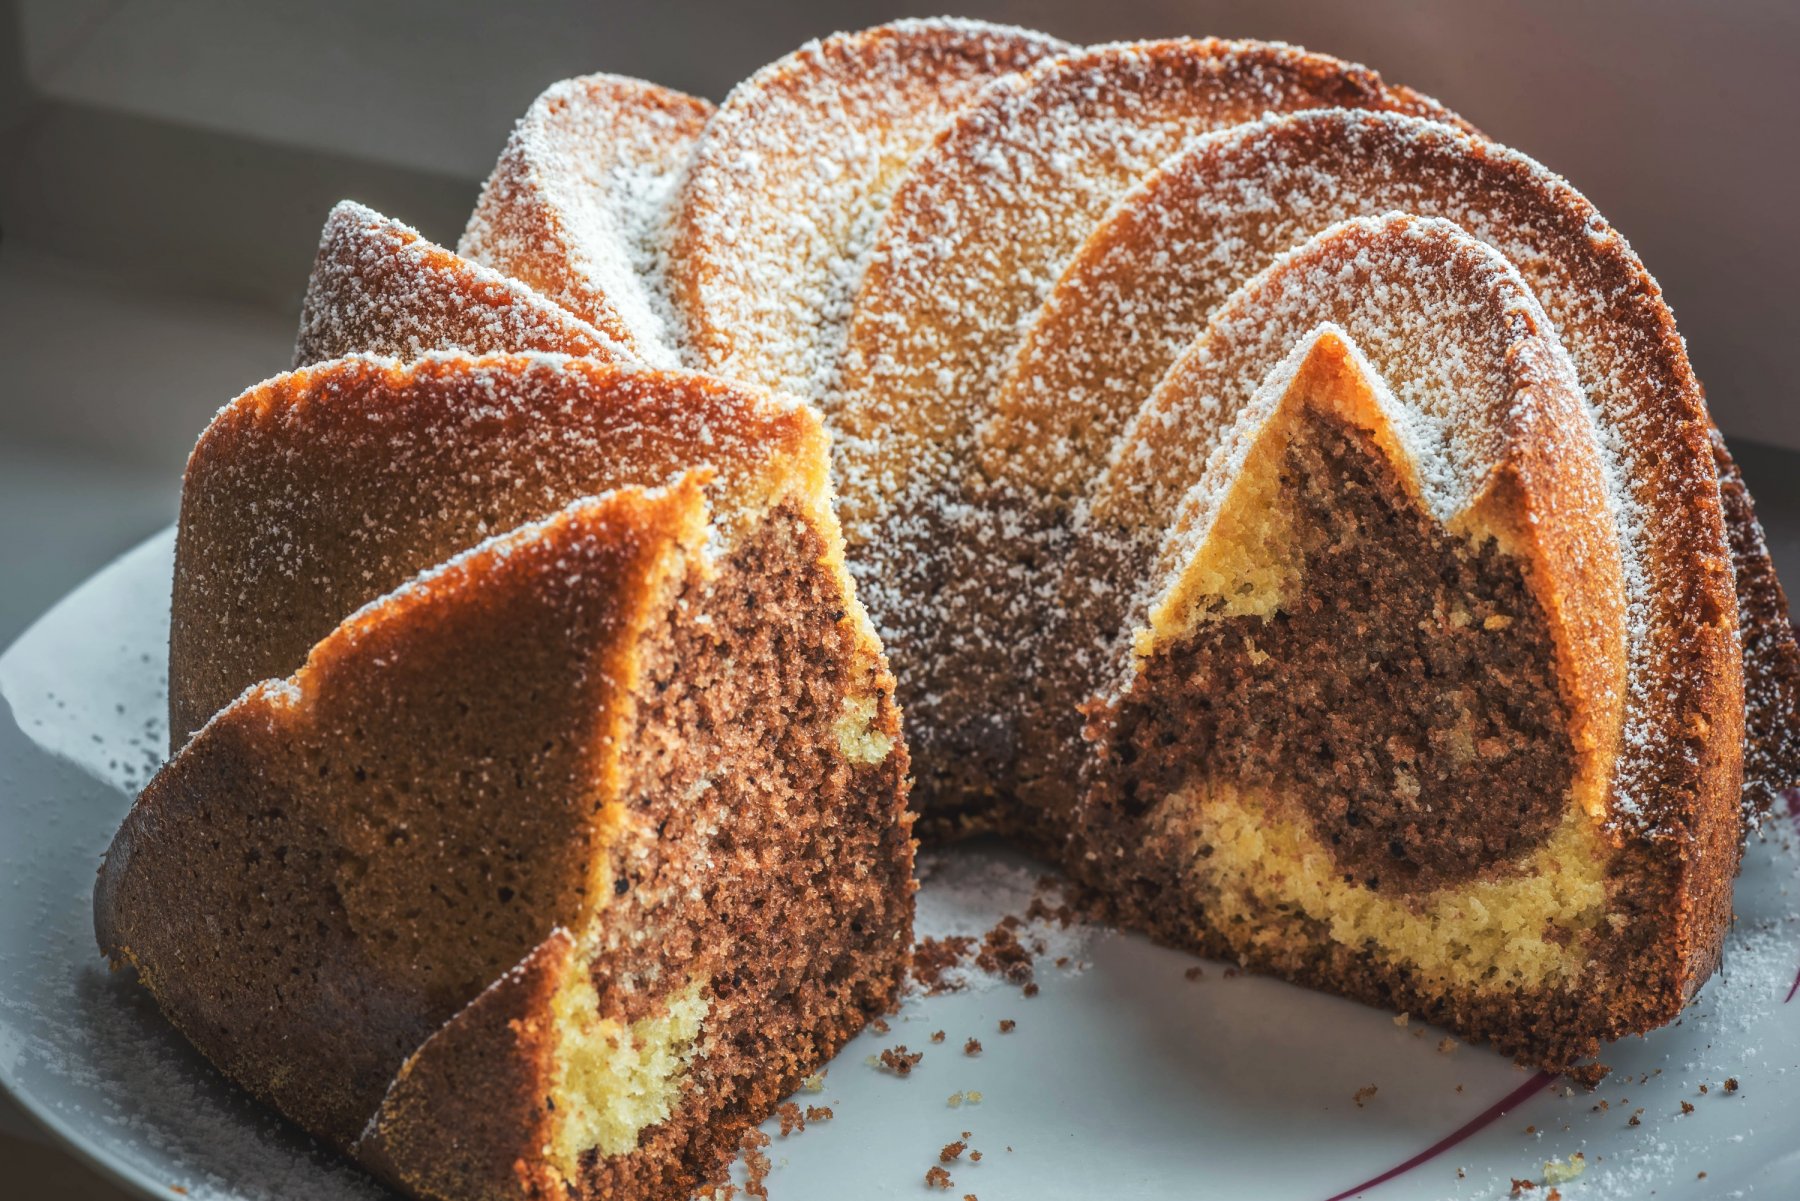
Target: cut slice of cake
[569,776]
[1377,728]
[317,491]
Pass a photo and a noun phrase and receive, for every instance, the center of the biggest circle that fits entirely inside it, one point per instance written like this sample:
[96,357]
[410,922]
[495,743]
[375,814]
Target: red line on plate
[1792,796]
[1473,1126]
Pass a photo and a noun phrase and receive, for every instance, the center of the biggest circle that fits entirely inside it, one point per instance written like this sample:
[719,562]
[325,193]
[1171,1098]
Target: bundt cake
[1286,509]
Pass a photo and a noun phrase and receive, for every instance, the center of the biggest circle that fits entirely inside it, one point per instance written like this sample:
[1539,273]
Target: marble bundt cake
[1285,508]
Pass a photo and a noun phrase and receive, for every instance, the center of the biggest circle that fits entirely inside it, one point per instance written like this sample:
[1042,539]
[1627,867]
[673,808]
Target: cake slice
[576,206]
[380,288]
[545,871]
[1388,718]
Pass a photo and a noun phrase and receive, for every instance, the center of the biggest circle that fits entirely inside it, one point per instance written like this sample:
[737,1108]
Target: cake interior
[754,908]
[1350,762]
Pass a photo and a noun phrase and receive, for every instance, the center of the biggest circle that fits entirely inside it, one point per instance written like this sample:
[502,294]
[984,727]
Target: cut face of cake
[1372,731]
[571,776]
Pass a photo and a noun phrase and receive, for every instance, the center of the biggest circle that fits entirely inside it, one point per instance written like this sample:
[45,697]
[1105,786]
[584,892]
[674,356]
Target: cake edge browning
[379,287]
[1771,655]
[470,1100]
[326,843]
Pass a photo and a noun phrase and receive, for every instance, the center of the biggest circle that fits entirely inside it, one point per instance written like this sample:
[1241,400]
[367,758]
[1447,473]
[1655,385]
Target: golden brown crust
[573,203]
[301,850]
[1771,658]
[792,172]
[379,288]
[465,1116]
[353,476]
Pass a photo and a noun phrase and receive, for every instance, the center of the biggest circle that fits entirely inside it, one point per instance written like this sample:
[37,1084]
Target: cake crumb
[899,1060]
[819,1113]
[756,1164]
[1003,955]
[972,1047]
[814,1083]
[932,957]
[955,1101]
[974,1096]
[936,1177]
[951,1152]
[1731,1084]
[1521,1186]
[937,1036]
[1194,973]
[1558,1171]
[1447,1044]
[1401,1019]
[880,1026]
[1704,1089]
[1031,989]
[1363,1094]
[792,1120]
[974,1157]
[1553,1195]
[1687,1107]
[1007,1025]
[1636,1118]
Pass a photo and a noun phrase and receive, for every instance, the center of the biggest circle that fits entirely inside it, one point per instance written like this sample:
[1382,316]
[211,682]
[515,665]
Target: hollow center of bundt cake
[754,908]
[1390,685]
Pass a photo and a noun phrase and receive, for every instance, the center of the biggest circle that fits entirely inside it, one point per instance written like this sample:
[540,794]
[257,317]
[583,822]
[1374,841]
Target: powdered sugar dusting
[380,288]
[577,206]
[792,176]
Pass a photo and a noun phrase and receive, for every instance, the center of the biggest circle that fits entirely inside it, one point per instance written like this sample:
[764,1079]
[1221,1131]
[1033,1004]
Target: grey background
[164,168]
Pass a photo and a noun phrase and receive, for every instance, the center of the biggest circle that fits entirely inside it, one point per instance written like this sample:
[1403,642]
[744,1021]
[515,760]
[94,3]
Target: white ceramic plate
[1123,1078]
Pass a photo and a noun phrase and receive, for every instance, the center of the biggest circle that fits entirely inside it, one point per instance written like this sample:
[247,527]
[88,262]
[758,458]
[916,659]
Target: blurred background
[165,167]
